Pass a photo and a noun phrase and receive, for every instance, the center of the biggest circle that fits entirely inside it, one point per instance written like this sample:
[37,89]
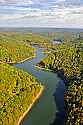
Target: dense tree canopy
[17,91]
[13,49]
[69,57]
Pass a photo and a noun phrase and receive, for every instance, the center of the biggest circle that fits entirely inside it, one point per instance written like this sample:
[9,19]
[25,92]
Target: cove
[44,111]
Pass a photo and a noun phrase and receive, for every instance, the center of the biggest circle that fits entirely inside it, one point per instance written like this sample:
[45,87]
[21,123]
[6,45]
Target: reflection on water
[59,100]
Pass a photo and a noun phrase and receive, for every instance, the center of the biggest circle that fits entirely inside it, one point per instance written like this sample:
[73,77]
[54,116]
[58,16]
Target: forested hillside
[18,89]
[69,58]
[13,49]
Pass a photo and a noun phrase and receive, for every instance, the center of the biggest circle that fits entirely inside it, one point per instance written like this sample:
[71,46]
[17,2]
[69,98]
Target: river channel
[45,109]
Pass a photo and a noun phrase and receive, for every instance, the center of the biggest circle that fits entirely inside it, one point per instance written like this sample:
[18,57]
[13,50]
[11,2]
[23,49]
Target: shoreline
[59,114]
[31,105]
[38,67]
[58,72]
[20,61]
[29,58]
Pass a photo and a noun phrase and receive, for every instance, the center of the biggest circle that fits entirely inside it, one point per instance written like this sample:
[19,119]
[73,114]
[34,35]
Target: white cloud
[16,2]
[60,1]
[54,15]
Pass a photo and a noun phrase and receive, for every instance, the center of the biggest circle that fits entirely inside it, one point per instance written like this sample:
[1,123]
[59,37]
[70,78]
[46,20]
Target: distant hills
[39,29]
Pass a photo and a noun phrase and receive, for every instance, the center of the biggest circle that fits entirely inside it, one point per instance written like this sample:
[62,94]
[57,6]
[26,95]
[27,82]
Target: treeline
[69,58]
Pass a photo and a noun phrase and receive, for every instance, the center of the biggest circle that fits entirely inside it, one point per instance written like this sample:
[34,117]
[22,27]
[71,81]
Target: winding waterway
[44,110]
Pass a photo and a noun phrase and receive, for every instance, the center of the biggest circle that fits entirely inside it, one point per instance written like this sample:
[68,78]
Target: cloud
[55,13]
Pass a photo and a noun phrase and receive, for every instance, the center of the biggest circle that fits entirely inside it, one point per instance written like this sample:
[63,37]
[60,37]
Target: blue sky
[41,13]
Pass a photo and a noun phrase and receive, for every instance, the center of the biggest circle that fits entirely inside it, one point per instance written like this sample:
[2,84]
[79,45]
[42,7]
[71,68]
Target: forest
[13,49]
[68,57]
[18,89]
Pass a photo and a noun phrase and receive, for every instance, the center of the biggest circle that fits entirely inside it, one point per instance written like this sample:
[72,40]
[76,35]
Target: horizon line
[42,27]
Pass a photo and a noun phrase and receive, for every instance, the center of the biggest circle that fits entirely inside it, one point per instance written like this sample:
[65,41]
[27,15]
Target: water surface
[44,110]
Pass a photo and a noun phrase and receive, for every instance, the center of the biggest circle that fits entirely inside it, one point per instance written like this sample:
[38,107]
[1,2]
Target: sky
[41,13]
